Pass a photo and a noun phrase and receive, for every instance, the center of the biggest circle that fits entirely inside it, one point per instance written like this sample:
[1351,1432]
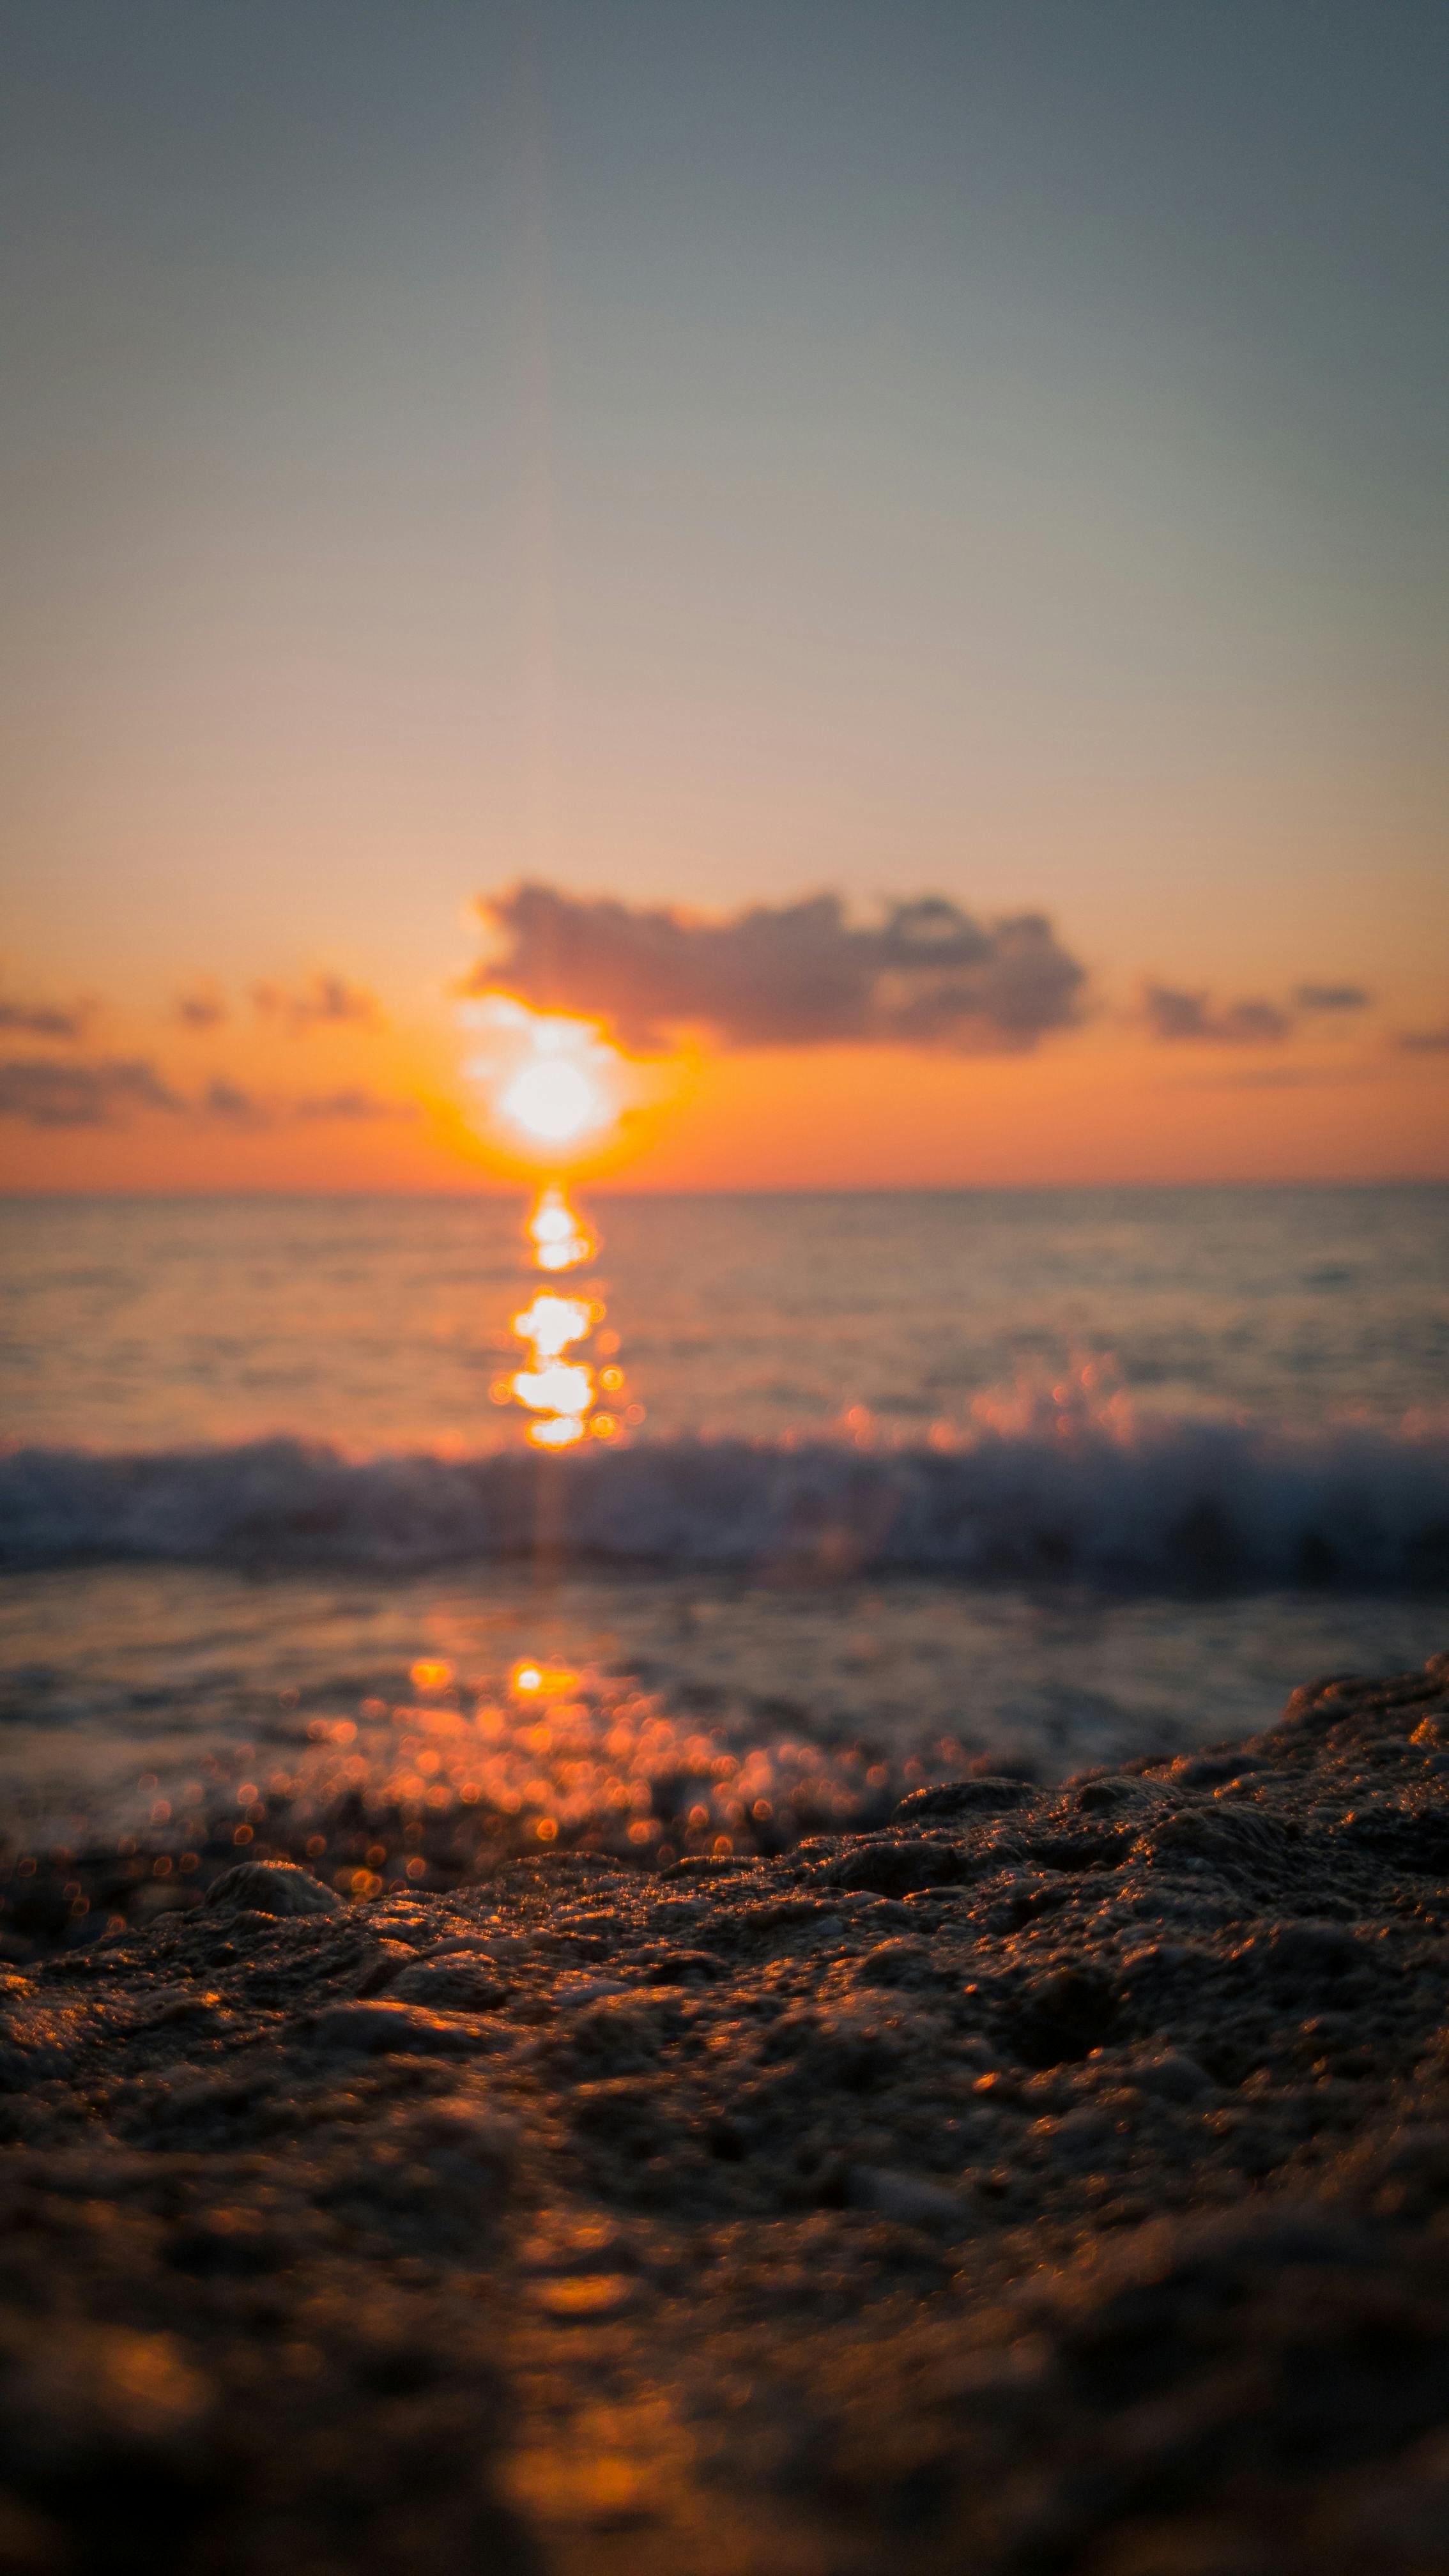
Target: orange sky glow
[676,476]
[390,1107]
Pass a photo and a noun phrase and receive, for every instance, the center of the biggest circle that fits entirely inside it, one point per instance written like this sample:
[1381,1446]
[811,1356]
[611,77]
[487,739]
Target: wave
[1139,1503]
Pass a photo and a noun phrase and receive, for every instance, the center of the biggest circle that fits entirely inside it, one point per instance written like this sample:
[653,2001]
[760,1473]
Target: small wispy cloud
[351,1104]
[230,1104]
[1333,997]
[1194,1018]
[925,974]
[1424,1041]
[204,1007]
[37,1091]
[64,1022]
[327,1001]
[228,1101]
[1277,1077]
[42,1093]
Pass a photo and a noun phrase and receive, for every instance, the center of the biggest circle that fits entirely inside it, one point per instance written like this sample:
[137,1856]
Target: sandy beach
[1041,2179]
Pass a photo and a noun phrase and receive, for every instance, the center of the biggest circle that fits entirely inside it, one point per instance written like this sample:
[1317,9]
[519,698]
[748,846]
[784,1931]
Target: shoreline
[1051,2178]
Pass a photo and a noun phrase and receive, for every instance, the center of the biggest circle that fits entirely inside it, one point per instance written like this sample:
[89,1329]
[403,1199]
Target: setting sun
[554,1101]
[550,1080]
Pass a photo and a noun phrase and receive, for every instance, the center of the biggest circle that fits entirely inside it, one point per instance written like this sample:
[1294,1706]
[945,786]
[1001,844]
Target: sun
[554,1101]
[551,1080]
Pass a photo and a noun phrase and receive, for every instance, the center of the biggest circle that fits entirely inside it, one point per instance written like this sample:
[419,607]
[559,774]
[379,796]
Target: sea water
[899,1482]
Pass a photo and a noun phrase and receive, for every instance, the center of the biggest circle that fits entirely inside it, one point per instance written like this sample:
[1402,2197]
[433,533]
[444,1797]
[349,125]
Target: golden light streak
[562,1394]
[559,1387]
[560,1240]
[551,1323]
[557,1431]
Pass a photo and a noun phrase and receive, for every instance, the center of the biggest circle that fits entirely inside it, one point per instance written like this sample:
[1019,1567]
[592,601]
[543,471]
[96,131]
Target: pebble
[377,2026]
[577,2298]
[459,1982]
[274,1887]
[987,1796]
[1173,2076]
[906,2197]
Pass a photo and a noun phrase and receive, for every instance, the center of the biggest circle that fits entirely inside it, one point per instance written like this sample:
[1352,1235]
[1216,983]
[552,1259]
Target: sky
[741,474]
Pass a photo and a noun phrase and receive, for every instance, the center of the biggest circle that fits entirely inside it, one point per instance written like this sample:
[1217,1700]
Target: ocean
[897,1485]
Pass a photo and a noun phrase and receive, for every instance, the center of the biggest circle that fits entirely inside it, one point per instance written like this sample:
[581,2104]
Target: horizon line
[817,1190]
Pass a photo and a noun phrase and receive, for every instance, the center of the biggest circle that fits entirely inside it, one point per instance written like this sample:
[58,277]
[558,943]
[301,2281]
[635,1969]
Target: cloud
[328,1001]
[1332,997]
[204,1008]
[1194,1018]
[788,975]
[45,1094]
[351,1104]
[41,1093]
[1278,1077]
[45,1019]
[1425,1041]
[226,1100]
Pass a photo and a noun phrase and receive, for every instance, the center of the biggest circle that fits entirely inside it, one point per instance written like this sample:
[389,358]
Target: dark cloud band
[788,975]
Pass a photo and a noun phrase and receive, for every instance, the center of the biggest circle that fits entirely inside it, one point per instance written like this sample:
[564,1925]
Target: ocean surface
[898,1483]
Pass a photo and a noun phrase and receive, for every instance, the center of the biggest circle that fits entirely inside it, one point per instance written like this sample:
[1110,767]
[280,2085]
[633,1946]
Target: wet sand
[1044,2178]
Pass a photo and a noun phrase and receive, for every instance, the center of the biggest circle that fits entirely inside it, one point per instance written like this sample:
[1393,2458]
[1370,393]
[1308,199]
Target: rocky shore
[1044,2180]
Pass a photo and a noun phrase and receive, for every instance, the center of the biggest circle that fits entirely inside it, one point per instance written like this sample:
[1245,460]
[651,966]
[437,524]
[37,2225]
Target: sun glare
[552,1082]
[554,1101]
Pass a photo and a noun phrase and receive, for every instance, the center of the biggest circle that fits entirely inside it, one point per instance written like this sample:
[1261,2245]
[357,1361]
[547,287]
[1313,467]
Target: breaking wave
[1120,1502]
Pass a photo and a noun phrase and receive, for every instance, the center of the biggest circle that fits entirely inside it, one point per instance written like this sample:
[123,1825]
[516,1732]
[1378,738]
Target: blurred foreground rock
[1050,2180]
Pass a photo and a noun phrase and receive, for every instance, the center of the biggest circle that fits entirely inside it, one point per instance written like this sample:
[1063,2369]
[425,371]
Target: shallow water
[826,1703]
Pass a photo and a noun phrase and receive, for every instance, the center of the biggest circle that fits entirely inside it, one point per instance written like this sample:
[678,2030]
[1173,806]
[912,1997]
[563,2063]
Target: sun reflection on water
[561,1392]
[559,1237]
